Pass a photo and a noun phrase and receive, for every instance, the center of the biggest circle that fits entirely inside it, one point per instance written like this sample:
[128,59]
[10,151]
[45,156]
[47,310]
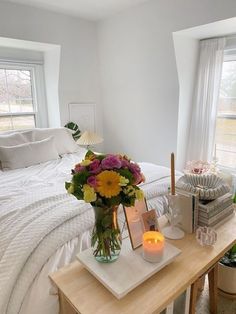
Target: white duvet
[42,228]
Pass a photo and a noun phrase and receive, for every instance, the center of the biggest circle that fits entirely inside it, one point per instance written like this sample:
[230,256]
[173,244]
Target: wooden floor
[225,306]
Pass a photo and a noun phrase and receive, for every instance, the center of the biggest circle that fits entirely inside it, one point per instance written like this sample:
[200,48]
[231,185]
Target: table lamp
[89,138]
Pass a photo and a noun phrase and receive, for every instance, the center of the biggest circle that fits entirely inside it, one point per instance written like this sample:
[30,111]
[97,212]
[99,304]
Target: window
[226,116]
[18,101]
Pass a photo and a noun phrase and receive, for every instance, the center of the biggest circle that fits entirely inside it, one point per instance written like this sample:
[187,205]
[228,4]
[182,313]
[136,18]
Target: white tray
[129,271]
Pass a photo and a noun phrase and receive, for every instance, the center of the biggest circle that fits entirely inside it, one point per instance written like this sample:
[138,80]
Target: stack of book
[212,212]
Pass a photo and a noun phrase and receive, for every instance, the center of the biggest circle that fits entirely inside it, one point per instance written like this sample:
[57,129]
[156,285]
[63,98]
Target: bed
[42,228]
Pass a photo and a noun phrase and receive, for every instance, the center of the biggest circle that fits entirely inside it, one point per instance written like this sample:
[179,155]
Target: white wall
[140,88]
[78,40]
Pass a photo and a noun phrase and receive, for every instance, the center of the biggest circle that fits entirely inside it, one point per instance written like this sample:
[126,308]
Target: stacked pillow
[27,148]
[64,141]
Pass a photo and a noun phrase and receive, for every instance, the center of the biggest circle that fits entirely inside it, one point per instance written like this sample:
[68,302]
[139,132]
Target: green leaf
[67,185]
[127,174]
[74,127]
[78,194]
[80,178]
[225,260]
[89,154]
[233,250]
[107,233]
[115,200]
[106,221]
[234,198]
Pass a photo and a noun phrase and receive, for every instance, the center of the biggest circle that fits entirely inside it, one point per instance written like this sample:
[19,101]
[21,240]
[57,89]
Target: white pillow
[28,154]
[12,139]
[63,139]
[15,138]
[28,136]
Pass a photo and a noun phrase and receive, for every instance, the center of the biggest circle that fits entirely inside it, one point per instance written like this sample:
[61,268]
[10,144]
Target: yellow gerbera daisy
[108,183]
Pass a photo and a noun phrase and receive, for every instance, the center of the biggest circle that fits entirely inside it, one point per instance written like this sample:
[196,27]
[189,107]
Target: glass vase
[106,237]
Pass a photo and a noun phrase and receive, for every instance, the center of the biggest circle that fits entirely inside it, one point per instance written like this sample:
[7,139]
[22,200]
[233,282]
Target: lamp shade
[89,138]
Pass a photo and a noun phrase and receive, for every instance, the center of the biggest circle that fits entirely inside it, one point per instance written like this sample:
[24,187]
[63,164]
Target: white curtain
[205,102]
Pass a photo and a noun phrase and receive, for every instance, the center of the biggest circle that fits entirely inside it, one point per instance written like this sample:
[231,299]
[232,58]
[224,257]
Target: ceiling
[89,9]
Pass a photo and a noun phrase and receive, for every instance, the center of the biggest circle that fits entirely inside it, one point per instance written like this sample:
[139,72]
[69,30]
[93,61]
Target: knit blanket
[30,234]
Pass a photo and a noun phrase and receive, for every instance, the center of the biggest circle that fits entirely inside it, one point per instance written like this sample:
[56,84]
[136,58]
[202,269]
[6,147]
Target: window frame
[37,90]
[227,58]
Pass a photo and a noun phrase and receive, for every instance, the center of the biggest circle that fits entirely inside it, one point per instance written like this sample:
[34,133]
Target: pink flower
[79,168]
[111,162]
[125,163]
[92,181]
[95,167]
[136,171]
[134,168]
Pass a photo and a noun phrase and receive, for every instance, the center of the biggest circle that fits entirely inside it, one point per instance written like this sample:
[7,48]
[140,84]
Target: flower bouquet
[106,181]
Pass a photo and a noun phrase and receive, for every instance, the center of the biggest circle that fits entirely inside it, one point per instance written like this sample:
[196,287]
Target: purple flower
[134,167]
[136,171]
[92,181]
[79,168]
[125,163]
[111,162]
[95,167]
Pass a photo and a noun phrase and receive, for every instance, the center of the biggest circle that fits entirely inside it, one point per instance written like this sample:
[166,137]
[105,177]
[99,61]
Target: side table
[80,292]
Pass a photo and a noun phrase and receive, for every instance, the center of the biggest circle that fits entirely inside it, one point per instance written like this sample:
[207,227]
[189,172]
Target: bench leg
[193,297]
[187,300]
[170,308]
[212,278]
[201,283]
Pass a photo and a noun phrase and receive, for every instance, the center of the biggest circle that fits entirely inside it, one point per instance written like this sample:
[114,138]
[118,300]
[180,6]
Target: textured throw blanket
[30,234]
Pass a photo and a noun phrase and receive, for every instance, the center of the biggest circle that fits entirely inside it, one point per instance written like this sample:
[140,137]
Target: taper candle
[172,174]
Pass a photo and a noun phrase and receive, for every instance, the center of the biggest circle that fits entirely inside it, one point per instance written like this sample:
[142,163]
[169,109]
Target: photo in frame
[133,217]
[149,221]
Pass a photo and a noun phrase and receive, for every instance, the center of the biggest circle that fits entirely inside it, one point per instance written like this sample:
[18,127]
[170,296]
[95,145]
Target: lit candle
[153,246]
[172,173]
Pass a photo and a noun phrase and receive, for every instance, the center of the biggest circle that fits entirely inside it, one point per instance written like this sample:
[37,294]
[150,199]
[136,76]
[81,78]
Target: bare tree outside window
[17,105]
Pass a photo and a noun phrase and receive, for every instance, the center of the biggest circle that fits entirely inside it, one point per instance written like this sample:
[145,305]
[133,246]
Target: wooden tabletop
[89,296]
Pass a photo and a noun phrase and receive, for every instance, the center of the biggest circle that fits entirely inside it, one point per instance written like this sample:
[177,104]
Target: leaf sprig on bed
[106,180]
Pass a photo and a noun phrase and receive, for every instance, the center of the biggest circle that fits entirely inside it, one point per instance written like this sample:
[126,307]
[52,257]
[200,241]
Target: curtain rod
[231,36]
[33,62]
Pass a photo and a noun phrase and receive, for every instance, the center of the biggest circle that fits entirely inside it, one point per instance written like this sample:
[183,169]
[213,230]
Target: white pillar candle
[153,246]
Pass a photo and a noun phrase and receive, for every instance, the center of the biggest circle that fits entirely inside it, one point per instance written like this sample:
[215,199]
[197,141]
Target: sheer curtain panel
[206,96]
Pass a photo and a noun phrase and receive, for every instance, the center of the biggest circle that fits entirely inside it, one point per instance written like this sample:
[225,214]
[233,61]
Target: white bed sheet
[48,175]
[14,184]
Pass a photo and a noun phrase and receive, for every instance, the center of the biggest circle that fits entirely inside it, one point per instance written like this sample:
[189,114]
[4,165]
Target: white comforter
[37,217]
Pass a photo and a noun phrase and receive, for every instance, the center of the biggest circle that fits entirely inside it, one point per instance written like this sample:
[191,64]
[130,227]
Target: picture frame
[149,221]
[133,216]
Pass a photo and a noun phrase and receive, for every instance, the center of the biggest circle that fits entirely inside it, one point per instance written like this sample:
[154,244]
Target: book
[220,221]
[223,220]
[218,209]
[216,218]
[208,206]
[188,207]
